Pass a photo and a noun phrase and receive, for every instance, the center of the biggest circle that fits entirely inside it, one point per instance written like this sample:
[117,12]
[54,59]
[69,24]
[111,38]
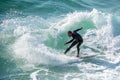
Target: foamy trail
[34,75]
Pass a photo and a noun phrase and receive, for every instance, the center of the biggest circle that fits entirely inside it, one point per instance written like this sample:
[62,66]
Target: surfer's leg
[78,49]
[73,44]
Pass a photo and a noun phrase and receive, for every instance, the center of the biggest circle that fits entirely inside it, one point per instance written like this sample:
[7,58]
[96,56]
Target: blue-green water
[33,32]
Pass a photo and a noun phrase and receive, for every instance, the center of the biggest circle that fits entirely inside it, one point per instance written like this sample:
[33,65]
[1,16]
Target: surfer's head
[70,33]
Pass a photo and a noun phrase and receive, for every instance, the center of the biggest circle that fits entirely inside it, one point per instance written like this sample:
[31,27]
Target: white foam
[34,75]
[34,49]
[31,32]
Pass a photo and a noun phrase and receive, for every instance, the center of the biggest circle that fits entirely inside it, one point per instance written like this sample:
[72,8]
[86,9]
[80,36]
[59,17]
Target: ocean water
[33,33]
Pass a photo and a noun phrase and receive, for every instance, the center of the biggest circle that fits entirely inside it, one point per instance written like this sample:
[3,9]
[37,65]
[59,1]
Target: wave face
[33,33]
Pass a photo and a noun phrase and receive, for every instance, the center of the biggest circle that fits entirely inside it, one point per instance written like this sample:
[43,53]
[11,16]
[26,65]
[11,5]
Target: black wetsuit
[77,39]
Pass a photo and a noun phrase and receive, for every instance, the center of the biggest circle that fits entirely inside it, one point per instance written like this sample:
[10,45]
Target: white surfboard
[87,56]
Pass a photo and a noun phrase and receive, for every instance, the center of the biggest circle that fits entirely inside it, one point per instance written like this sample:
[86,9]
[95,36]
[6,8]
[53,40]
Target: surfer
[77,40]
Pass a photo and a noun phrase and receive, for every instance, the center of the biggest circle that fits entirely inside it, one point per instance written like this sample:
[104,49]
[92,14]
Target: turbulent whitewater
[33,33]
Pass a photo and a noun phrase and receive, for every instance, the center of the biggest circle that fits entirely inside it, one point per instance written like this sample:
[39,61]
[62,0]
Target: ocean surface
[33,33]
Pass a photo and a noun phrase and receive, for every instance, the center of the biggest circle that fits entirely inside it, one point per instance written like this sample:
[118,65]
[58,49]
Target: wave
[40,41]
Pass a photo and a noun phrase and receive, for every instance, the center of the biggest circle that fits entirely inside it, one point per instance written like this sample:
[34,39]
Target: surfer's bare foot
[64,52]
[77,56]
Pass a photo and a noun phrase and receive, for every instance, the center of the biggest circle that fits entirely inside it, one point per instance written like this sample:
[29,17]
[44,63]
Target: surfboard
[87,56]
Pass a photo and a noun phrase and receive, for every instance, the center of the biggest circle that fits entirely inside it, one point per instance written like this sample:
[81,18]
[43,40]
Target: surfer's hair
[69,32]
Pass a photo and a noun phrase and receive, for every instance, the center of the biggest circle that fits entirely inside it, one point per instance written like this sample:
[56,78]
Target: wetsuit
[77,39]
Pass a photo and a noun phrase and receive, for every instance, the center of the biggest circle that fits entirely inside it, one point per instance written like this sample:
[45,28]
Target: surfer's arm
[69,41]
[78,29]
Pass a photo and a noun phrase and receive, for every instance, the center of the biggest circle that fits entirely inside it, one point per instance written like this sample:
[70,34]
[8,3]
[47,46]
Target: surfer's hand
[64,43]
[81,28]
